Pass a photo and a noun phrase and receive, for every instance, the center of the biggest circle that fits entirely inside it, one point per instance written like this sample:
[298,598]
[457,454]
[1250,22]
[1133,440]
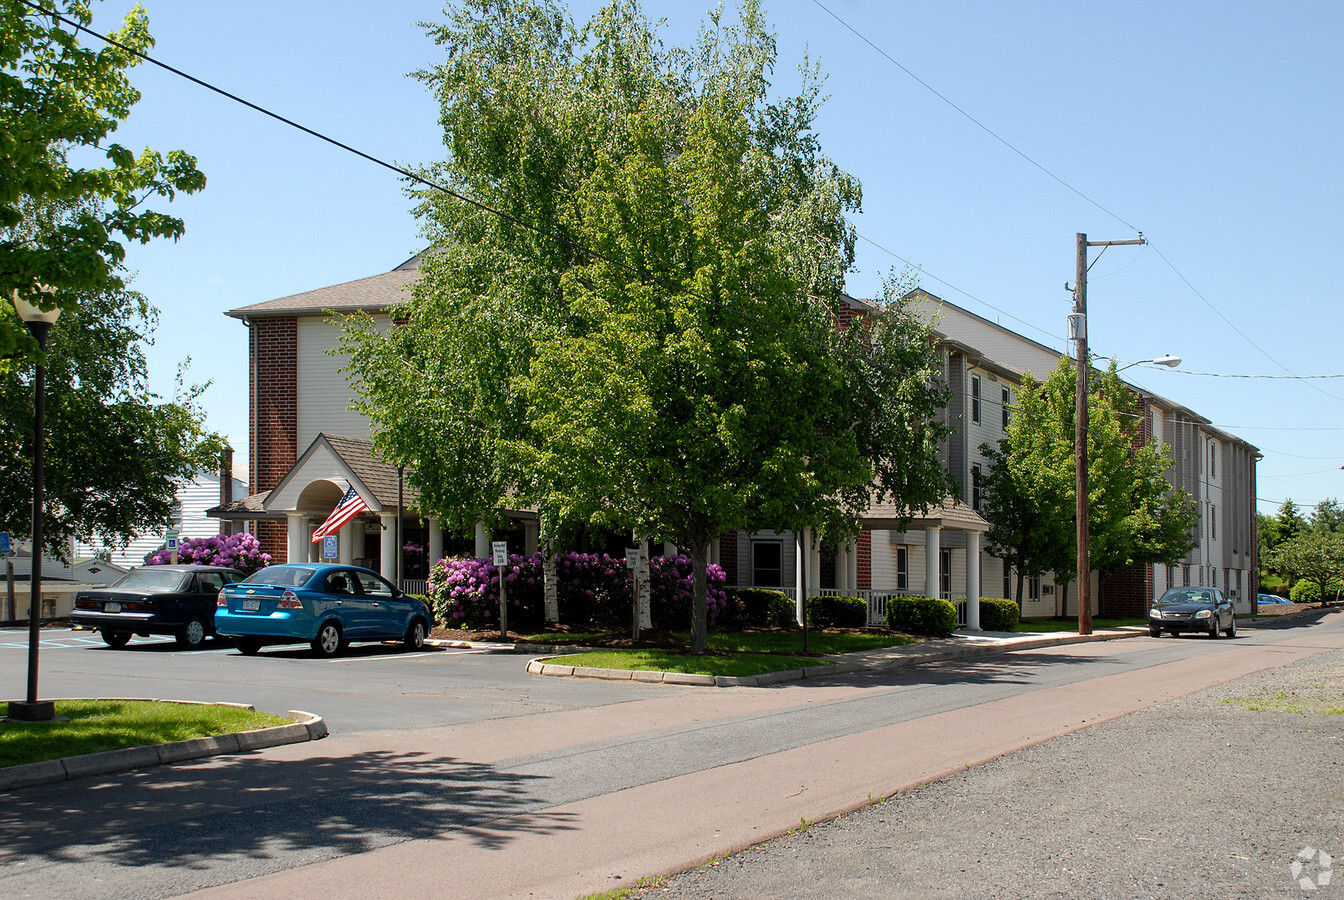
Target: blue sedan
[1265,599]
[328,606]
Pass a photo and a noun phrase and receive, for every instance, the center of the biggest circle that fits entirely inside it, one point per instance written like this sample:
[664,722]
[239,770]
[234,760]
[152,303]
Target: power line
[981,125]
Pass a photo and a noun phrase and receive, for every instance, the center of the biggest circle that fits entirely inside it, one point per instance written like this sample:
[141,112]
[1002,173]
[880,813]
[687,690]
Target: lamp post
[39,322]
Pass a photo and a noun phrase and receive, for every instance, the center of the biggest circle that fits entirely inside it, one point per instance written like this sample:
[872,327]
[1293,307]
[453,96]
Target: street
[454,773]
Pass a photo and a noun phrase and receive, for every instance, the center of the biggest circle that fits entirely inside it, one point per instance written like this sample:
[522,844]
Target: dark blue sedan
[327,606]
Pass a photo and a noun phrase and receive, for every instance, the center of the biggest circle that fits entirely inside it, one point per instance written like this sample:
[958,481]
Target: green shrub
[921,615]
[999,614]
[1310,592]
[837,612]
[764,607]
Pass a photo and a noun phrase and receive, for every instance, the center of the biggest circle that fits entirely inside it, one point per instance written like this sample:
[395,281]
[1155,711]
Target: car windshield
[151,578]
[1187,595]
[286,576]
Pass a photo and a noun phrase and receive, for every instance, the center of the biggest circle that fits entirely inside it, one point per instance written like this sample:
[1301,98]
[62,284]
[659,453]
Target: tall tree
[1328,516]
[659,349]
[62,218]
[115,450]
[1135,516]
[1029,522]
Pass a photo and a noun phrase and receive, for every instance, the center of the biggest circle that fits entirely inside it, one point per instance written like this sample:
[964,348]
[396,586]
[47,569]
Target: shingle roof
[377,292]
[952,513]
[250,507]
[369,468]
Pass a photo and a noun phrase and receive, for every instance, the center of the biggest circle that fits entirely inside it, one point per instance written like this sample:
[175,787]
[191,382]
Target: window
[902,568]
[1007,401]
[1213,522]
[975,399]
[1213,460]
[1185,575]
[1034,588]
[975,487]
[1007,581]
[766,568]
[945,573]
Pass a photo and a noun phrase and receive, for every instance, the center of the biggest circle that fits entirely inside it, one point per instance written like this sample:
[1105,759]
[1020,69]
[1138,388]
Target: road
[457,774]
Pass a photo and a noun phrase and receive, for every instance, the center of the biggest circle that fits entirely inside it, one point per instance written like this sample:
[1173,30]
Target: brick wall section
[865,560]
[1127,593]
[728,556]
[273,349]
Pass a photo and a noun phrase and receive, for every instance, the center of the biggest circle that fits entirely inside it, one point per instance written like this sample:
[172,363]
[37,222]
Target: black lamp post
[39,322]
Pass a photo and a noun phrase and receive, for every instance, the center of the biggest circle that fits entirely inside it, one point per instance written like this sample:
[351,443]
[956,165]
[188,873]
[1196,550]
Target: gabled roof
[372,294]
[951,513]
[351,459]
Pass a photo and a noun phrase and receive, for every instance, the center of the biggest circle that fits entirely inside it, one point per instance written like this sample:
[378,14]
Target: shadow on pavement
[192,815]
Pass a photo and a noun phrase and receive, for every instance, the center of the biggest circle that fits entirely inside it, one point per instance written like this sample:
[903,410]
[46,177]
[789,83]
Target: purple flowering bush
[591,588]
[237,551]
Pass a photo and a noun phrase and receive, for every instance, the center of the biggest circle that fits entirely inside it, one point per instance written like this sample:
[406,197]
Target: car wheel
[248,646]
[415,635]
[1155,632]
[1232,628]
[193,636]
[1213,629]
[116,639]
[328,640]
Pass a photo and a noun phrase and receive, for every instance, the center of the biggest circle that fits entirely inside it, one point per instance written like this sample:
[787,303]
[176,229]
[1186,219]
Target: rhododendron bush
[590,588]
[236,551]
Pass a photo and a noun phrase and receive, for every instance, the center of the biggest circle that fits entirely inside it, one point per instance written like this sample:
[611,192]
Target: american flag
[350,506]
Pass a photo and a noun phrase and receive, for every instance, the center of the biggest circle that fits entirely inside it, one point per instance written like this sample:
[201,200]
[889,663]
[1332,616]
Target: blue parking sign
[4,543]
[330,548]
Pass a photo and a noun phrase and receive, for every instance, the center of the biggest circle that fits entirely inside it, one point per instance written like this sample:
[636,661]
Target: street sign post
[4,544]
[501,552]
[170,541]
[632,563]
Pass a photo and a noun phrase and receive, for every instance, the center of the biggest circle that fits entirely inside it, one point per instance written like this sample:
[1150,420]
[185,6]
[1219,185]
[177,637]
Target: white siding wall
[194,498]
[324,392]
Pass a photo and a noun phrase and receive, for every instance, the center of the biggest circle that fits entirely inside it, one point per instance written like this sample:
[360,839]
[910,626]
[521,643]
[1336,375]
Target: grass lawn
[1049,624]
[97,725]
[822,642]
[737,664]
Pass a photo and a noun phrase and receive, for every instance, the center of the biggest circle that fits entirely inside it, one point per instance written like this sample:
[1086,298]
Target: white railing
[414,585]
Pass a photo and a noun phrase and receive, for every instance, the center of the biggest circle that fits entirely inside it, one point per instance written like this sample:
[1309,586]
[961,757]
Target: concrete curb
[305,727]
[888,657]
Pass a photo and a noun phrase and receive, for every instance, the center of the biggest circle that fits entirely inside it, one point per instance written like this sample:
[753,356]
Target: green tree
[62,218]
[1029,524]
[115,451]
[1328,516]
[658,349]
[1316,556]
[1135,516]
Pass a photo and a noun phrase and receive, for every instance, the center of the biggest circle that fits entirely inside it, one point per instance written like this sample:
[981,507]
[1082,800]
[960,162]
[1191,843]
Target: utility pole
[1078,331]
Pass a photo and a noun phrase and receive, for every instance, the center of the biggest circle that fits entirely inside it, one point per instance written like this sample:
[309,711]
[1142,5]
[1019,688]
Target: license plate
[112,607]
[251,605]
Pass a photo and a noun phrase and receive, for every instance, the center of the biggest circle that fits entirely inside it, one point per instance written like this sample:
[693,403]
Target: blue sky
[1213,128]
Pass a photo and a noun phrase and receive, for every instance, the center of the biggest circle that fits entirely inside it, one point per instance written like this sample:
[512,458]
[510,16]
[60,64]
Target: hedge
[999,614]
[921,615]
[1310,592]
[762,607]
[837,612]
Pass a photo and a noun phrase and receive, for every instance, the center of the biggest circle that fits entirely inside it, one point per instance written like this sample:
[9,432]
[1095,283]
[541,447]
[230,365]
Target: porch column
[852,565]
[842,568]
[296,537]
[345,541]
[801,542]
[932,553]
[531,536]
[714,551]
[670,551]
[972,581]
[482,542]
[387,562]
[435,540]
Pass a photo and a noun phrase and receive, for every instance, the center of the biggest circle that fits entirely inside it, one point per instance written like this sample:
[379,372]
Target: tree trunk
[699,596]
[549,592]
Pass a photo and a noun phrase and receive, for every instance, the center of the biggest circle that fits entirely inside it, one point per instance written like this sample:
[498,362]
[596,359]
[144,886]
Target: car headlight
[1154,613]
[1204,614]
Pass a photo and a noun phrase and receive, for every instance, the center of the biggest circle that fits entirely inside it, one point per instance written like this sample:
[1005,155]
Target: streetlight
[1169,361]
[39,322]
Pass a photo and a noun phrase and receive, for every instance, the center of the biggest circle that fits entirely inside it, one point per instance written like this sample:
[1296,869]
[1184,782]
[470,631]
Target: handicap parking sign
[4,543]
[330,550]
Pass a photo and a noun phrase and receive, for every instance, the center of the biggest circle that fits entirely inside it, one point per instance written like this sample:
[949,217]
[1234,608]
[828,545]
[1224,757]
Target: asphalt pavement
[1235,791]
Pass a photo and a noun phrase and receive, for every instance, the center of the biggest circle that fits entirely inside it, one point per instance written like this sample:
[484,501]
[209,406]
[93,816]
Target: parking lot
[369,687]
